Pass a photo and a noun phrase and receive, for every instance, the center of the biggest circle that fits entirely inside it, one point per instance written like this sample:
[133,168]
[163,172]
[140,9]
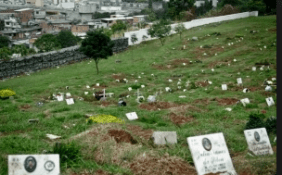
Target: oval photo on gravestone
[207,144]
[257,137]
[30,164]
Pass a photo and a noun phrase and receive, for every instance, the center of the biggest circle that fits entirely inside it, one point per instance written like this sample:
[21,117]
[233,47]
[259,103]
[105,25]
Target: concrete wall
[49,59]
[191,24]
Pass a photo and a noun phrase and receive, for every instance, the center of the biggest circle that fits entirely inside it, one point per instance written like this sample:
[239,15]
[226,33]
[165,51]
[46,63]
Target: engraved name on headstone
[163,137]
[34,164]
[258,141]
[210,154]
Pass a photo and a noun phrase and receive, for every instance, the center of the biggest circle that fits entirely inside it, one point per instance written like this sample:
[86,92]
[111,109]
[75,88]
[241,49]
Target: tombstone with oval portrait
[210,154]
[258,141]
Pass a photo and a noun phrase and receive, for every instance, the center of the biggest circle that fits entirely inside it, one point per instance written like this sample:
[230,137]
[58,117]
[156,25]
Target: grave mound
[226,101]
[25,107]
[138,131]
[98,172]
[164,165]
[121,136]
[202,83]
[204,101]
[157,105]
[180,119]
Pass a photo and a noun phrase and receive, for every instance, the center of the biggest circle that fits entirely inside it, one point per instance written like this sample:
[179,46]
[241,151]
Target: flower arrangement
[6,93]
[103,118]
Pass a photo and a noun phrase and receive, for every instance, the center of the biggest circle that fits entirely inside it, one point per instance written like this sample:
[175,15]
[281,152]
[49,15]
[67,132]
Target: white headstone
[142,86]
[209,82]
[254,68]
[85,93]
[87,87]
[97,84]
[228,109]
[70,101]
[224,87]
[245,90]
[163,137]
[131,116]
[261,68]
[268,88]
[270,101]
[52,137]
[170,80]
[167,89]
[239,81]
[130,89]
[258,141]
[151,98]
[182,96]
[60,97]
[245,101]
[273,79]
[184,64]
[34,164]
[210,154]
[68,94]
[212,70]
[139,77]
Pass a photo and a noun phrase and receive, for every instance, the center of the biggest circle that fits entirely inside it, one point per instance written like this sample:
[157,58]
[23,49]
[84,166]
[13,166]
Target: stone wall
[52,59]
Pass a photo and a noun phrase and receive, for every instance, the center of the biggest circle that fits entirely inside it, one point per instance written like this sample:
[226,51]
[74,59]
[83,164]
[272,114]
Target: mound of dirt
[98,172]
[227,101]
[157,105]
[161,166]
[202,84]
[180,119]
[24,107]
[204,101]
[121,136]
[138,131]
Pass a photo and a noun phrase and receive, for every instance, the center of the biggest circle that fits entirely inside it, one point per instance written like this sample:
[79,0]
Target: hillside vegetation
[126,148]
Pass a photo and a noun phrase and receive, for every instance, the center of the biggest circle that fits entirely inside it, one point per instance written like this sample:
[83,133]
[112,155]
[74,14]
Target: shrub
[102,118]
[270,125]
[7,93]
[204,8]
[69,153]
[255,121]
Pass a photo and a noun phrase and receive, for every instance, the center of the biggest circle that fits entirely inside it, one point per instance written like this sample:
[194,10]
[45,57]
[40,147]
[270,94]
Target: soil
[173,64]
[227,101]
[121,136]
[98,172]
[180,119]
[202,101]
[138,131]
[263,111]
[267,94]
[273,30]
[202,84]
[25,107]
[161,166]
[118,76]
[157,105]
[209,51]
[215,63]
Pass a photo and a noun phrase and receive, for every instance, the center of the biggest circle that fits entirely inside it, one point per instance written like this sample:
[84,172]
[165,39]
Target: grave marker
[131,116]
[130,89]
[163,137]
[87,87]
[34,164]
[254,68]
[68,95]
[239,81]
[167,89]
[210,154]
[151,98]
[258,141]
[142,86]
[60,97]
[69,101]
[224,87]
[245,101]
[85,93]
[97,84]
[270,101]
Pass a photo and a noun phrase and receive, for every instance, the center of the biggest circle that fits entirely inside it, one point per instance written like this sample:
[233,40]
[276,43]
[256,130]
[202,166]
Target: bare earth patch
[98,172]
[204,101]
[209,51]
[121,136]
[138,131]
[171,106]
[25,107]
[162,166]
[180,119]
[218,63]
[202,84]
[173,64]
[227,101]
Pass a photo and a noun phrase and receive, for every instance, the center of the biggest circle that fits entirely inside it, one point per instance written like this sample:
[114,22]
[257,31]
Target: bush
[204,8]
[102,118]
[255,121]
[270,125]
[69,153]
[7,93]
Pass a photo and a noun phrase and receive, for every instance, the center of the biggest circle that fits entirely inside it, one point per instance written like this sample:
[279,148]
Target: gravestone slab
[210,154]
[87,87]
[270,101]
[254,68]
[258,141]
[224,87]
[142,86]
[68,95]
[70,101]
[60,97]
[85,93]
[163,137]
[34,164]
[131,116]
[151,98]
[239,81]
[130,89]
[245,101]
[167,89]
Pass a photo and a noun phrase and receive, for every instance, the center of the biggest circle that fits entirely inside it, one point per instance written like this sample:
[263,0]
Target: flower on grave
[103,118]
[7,93]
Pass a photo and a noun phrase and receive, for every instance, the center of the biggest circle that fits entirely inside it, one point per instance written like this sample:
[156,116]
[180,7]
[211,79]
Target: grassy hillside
[201,112]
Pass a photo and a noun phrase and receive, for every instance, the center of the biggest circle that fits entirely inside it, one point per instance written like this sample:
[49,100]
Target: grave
[245,90]
[52,137]
[68,95]
[164,137]
[245,101]
[151,98]
[270,101]
[131,116]
[239,81]
[167,89]
[121,103]
[142,86]
[268,88]
[258,141]
[210,154]
[130,89]
[34,164]
[60,97]
[85,93]
[69,101]
[224,87]
[87,87]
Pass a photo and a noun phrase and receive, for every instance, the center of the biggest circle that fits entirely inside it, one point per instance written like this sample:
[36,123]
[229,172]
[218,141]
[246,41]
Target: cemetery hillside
[146,110]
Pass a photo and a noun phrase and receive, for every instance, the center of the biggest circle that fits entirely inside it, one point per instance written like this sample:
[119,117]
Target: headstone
[212,70]
[69,101]
[210,154]
[224,87]
[142,86]
[163,137]
[52,137]
[85,93]
[258,141]
[97,84]
[268,88]
[270,101]
[130,89]
[239,81]
[273,79]
[182,96]
[151,98]
[261,68]
[184,64]
[170,80]
[245,101]
[34,164]
[254,68]
[139,77]
[167,89]
[131,116]
[87,87]
[245,90]
[228,109]
[67,88]
[68,95]
[60,97]
[194,38]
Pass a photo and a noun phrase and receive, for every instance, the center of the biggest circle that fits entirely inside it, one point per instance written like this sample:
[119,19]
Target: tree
[177,6]
[47,42]
[179,29]
[4,41]
[97,46]
[204,8]
[118,26]
[23,50]
[5,53]
[134,38]
[66,38]
[160,30]
[108,32]
[270,5]
[144,37]
[2,25]
[151,15]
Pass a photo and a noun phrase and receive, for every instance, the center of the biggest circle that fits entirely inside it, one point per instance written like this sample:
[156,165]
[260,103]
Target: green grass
[19,137]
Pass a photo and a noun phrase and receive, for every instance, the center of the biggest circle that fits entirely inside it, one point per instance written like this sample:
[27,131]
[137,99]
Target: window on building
[37,12]
[7,23]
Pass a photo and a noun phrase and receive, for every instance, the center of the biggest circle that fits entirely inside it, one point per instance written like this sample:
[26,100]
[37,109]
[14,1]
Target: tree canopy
[47,42]
[160,29]
[4,41]
[97,46]
[66,38]
[178,6]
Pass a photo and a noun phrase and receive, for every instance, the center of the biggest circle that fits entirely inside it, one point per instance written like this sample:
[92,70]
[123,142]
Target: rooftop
[113,19]
[20,10]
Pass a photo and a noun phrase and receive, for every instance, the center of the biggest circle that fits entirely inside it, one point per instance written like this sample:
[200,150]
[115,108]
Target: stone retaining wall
[51,59]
